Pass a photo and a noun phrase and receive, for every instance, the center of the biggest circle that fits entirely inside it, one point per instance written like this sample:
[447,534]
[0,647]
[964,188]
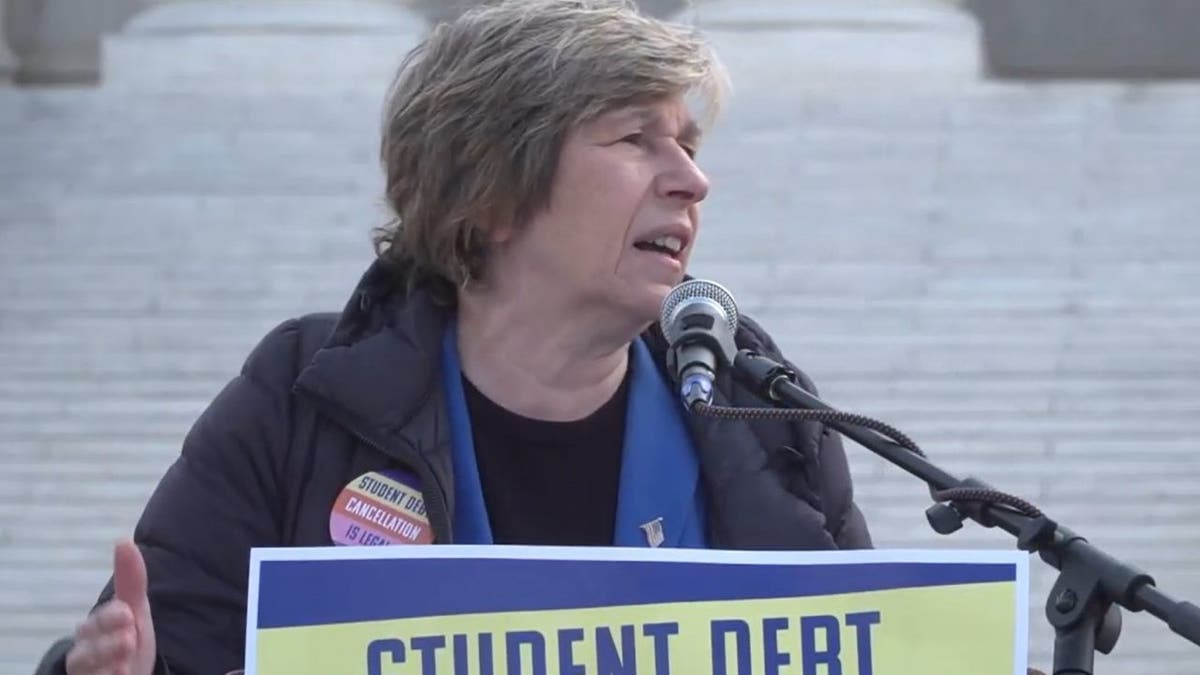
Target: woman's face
[622,216]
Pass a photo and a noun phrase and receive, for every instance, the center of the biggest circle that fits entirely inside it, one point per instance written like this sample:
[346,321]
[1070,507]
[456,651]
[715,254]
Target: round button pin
[380,508]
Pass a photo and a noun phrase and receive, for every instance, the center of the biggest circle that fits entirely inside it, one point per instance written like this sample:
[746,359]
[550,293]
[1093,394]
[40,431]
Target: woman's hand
[118,637]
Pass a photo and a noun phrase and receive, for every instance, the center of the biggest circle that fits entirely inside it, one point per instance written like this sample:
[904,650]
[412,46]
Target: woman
[496,375]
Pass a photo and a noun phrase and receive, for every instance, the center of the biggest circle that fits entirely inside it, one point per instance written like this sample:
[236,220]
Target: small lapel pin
[654,532]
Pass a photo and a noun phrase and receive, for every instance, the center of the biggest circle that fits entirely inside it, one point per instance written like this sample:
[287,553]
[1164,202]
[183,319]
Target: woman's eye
[640,139]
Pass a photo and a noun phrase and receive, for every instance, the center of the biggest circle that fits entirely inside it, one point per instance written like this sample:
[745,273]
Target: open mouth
[669,246]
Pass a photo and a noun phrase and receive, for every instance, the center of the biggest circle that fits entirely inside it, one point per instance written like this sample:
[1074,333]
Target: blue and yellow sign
[465,610]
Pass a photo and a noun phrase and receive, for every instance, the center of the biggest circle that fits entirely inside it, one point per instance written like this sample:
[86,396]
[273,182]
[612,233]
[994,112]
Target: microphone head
[688,294]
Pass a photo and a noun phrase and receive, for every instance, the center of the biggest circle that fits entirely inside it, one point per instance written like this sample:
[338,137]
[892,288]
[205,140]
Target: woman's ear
[502,230]
[494,228]
[500,234]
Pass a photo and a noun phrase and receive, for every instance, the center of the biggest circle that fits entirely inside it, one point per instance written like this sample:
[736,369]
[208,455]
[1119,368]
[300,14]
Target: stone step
[1125,117]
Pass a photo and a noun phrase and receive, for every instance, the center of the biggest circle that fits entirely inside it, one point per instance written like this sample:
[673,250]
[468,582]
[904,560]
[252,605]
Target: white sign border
[1019,559]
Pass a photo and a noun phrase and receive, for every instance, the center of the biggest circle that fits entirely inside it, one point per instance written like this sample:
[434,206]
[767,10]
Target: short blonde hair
[477,115]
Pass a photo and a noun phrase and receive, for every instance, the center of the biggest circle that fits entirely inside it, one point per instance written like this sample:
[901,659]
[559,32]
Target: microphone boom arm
[1082,604]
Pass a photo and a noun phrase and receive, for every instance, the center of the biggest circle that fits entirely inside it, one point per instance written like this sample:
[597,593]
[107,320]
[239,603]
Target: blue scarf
[659,502]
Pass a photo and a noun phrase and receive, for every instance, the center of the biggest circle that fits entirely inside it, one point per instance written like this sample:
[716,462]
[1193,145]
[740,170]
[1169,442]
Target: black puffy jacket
[325,398]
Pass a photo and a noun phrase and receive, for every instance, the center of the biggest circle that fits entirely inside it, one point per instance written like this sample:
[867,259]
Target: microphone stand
[1083,604]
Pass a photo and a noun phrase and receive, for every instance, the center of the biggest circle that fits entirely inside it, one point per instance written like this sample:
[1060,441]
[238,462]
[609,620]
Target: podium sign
[498,610]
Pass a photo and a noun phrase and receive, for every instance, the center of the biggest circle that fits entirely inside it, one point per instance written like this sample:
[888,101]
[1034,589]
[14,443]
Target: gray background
[1005,270]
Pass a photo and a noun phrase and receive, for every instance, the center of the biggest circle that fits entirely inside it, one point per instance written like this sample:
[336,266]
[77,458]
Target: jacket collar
[379,365]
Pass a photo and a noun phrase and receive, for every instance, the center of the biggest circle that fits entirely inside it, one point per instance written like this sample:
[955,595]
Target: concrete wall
[1091,38]
[58,41]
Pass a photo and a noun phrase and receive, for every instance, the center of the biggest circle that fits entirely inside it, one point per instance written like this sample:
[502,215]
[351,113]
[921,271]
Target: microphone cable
[955,494]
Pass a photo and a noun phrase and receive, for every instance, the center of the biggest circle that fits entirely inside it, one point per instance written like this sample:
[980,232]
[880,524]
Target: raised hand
[117,638]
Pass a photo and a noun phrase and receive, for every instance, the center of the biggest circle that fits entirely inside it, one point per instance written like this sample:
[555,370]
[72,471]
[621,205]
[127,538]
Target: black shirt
[549,483]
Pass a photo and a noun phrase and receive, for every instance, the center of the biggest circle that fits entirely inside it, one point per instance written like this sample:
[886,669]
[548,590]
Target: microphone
[699,319]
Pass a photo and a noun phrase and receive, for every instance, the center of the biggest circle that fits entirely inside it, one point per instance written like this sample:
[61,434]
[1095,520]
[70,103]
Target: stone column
[8,63]
[58,41]
[262,45]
